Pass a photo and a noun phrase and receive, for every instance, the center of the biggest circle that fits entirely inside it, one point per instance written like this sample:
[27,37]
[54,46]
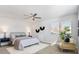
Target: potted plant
[62,34]
[65,35]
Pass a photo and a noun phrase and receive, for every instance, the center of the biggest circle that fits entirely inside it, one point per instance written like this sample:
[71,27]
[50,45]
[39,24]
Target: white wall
[10,24]
[46,35]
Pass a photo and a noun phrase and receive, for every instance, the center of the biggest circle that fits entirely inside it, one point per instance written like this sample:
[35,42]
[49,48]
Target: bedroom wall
[10,24]
[48,37]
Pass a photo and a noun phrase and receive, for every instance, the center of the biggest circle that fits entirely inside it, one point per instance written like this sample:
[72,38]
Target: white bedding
[27,42]
[20,38]
[21,42]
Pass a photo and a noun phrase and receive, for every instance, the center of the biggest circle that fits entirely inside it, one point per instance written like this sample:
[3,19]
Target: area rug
[3,50]
[28,50]
[52,50]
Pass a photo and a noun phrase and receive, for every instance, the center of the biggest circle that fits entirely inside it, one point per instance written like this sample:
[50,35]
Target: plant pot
[67,40]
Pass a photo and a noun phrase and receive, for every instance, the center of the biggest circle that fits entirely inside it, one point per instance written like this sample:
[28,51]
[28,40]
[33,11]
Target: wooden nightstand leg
[76,51]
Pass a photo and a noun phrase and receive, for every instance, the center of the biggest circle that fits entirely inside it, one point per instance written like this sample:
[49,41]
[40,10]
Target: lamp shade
[28,30]
[3,29]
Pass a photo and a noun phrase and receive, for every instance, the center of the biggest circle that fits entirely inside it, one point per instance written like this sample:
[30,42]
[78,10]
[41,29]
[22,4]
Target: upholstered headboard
[18,34]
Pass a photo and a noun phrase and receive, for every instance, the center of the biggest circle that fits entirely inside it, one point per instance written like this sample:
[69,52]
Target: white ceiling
[44,11]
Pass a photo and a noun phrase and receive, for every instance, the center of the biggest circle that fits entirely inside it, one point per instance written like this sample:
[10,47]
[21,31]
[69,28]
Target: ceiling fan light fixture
[33,16]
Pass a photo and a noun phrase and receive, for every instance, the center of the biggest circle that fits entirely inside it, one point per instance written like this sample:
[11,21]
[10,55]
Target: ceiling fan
[33,16]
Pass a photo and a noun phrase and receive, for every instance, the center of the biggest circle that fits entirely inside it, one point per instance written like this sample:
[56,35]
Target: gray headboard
[18,34]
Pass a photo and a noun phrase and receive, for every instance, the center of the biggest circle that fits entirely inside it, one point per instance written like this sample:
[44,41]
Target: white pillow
[1,35]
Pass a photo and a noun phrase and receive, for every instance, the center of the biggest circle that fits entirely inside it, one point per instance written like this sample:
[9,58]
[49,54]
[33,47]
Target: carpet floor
[47,50]
[3,50]
[53,50]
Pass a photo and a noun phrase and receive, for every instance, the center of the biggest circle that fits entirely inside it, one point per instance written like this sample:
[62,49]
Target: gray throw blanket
[18,45]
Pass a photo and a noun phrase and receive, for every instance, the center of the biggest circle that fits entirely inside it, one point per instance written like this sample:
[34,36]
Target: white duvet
[24,41]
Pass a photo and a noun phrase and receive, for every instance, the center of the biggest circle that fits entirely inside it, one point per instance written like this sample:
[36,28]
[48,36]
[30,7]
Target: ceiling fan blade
[34,14]
[38,17]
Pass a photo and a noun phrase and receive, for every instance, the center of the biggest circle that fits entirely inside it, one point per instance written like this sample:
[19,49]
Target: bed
[21,40]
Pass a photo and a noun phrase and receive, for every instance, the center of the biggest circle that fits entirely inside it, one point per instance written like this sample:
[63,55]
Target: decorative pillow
[18,34]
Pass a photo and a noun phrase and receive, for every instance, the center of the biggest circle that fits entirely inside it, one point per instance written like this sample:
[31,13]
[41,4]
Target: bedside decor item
[65,46]
[29,35]
[42,28]
[37,30]
[4,34]
[65,34]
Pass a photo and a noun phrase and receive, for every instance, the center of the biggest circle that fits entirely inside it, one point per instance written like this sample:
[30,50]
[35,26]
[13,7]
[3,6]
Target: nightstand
[69,46]
[4,41]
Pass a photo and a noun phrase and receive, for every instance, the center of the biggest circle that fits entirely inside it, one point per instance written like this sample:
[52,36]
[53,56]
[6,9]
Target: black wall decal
[42,28]
[37,30]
